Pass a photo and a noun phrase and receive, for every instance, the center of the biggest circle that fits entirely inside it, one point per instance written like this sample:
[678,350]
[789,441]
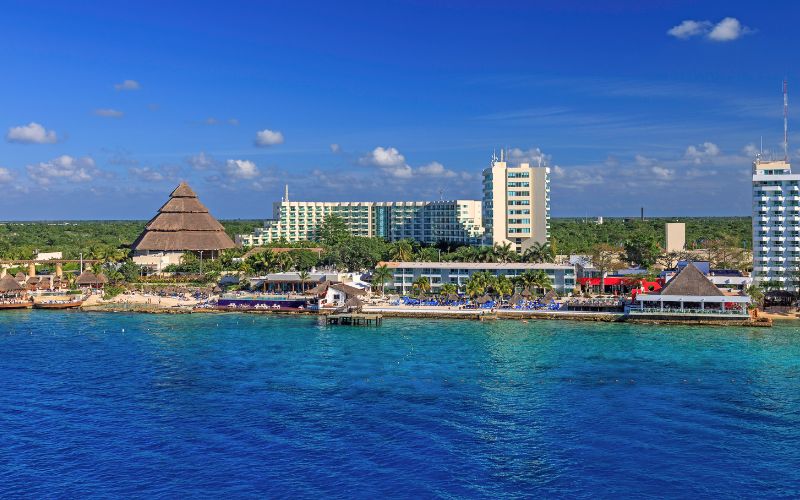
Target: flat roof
[475,265]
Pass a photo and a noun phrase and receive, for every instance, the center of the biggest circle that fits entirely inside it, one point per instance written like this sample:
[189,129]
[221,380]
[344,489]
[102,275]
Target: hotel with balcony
[776,224]
[515,209]
[516,204]
[456,221]
[404,274]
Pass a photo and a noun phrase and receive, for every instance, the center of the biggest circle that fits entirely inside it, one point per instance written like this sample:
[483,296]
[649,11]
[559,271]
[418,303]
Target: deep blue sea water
[241,405]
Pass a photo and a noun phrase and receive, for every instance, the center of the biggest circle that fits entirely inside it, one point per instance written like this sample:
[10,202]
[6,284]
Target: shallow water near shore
[244,405]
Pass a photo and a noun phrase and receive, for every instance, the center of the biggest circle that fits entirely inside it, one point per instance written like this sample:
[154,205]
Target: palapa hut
[11,290]
[88,279]
[691,292]
[181,225]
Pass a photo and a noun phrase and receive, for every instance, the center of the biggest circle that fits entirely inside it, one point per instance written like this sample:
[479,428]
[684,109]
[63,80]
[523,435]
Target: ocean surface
[186,406]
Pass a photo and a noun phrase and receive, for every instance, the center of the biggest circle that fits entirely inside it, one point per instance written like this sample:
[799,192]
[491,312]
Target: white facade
[776,224]
[404,274]
[516,204]
[456,221]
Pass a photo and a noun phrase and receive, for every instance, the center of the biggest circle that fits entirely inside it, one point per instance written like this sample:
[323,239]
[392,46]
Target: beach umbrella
[453,297]
[484,299]
[526,293]
[516,298]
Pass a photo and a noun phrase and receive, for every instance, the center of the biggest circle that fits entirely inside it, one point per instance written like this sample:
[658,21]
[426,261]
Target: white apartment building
[516,204]
[776,223]
[456,221]
[404,274]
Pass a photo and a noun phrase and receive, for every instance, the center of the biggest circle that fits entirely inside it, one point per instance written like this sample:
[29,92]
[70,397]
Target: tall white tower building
[776,224]
[516,204]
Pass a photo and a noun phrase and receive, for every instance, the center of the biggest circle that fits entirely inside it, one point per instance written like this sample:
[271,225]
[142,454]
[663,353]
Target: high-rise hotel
[515,209]
[776,223]
[516,204]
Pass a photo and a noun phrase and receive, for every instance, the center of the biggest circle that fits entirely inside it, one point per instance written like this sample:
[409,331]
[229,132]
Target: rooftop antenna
[501,154]
[441,194]
[286,193]
[785,121]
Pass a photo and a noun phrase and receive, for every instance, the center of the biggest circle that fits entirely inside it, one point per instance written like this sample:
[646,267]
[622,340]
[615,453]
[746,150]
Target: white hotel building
[776,223]
[515,209]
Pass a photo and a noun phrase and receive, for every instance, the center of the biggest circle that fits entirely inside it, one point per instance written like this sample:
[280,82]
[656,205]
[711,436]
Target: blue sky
[107,106]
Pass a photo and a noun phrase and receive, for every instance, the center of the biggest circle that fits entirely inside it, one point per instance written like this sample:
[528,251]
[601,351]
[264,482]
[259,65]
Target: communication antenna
[286,193]
[441,194]
[785,121]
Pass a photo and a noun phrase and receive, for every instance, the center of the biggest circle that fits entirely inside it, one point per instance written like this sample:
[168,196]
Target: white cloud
[201,161]
[644,161]
[128,85]
[210,121]
[233,121]
[534,156]
[559,172]
[63,168]
[727,30]
[751,150]
[147,174]
[390,160]
[108,113]
[335,148]
[689,28]
[5,176]
[241,169]
[702,153]
[32,133]
[435,168]
[663,173]
[266,137]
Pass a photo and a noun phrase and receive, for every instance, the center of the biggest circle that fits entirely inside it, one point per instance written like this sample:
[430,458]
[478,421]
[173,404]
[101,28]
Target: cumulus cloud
[266,138]
[127,85]
[64,168]
[5,176]
[147,174]
[201,161]
[108,113]
[436,169]
[534,156]
[727,30]
[241,169]
[644,161]
[663,173]
[335,148]
[689,29]
[702,153]
[32,133]
[393,162]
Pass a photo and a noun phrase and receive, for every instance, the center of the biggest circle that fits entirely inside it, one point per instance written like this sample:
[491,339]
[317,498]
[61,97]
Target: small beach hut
[10,288]
[483,299]
[526,293]
[88,279]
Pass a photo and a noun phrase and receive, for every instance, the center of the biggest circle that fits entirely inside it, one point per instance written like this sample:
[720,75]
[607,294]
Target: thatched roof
[691,282]
[516,298]
[21,276]
[348,290]
[525,293]
[484,299]
[453,297]
[89,278]
[9,284]
[183,224]
[319,289]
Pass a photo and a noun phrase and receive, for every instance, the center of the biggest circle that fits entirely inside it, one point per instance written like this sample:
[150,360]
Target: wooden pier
[355,319]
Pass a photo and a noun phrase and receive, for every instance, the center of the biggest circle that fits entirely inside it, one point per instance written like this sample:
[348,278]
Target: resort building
[674,236]
[562,277]
[690,292]
[516,204]
[455,221]
[515,209]
[181,225]
[776,224]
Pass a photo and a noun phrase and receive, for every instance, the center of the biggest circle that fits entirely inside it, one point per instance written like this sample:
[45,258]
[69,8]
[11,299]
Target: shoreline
[764,320]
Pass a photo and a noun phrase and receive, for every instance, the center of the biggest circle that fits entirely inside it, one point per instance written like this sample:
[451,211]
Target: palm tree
[403,251]
[380,276]
[303,275]
[541,281]
[447,289]
[504,253]
[262,262]
[503,286]
[422,285]
[539,252]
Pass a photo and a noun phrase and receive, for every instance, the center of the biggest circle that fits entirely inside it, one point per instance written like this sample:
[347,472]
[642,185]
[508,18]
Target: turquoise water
[244,405]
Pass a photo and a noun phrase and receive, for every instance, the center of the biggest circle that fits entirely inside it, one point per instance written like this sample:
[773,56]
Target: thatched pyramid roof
[692,282]
[9,284]
[89,278]
[183,224]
